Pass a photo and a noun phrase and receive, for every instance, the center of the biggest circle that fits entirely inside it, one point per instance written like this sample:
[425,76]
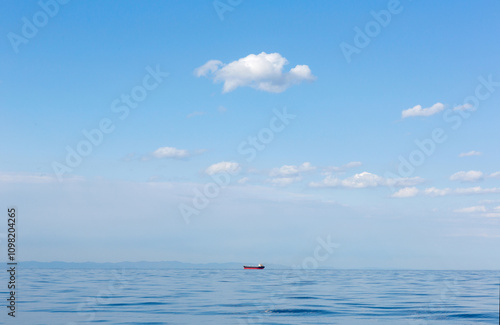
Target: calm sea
[131,296]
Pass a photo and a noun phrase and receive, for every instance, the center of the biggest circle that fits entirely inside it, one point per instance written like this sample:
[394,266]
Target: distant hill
[137,265]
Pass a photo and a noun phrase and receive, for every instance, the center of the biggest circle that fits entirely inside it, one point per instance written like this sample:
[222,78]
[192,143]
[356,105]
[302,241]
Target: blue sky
[170,176]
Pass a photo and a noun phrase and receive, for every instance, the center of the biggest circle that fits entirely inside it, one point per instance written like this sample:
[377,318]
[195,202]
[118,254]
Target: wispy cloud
[343,168]
[25,178]
[284,181]
[223,166]
[406,192]
[31,178]
[464,107]
[470,154]
[262,71]
[366,179]
[287,170]
[432,191]
[190,115]
[419,111]
[495,175]
[243,180]
[477,190]
[170,152]
[474,209]
[469,176]
[288,174]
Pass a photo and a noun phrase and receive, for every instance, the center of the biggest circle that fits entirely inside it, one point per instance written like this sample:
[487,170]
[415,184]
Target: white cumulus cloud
[288,174]
[286,170]
[260,71]
[469,176]
[406,192]
[223,166]
[419,111]
[170,152]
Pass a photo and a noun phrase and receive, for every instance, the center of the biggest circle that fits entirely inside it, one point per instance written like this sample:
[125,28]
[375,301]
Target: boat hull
[253,267]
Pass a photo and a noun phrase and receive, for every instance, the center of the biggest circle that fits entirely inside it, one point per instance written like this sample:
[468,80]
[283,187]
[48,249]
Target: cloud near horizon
[435,192]
[469,176]
[474,209]
[366,179]
[262,71]
[419,111]
[288,174]
[495,175]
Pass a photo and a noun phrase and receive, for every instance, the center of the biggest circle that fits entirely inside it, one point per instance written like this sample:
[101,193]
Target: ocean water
[133,296]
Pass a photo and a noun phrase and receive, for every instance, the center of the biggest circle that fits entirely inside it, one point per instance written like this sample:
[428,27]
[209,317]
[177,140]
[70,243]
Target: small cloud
[470,176]
[406,192]
[288,174]
[474,209]
[495,175]
[470,154]
[284,181]
[345,167]
[243,180]
[32,178]
[286,170]
[195,114]
[419,111]
[26,178]
[262,71]
[366,179]
[492,215]
[222,109]
[170,152]
[464,107]
[223,167]
[130,157]
[209,67]
[432,191]
[460,191]
[156,178]
[477,190]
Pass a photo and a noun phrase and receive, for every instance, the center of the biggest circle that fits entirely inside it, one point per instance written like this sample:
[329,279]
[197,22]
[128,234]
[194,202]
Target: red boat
[259,267]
